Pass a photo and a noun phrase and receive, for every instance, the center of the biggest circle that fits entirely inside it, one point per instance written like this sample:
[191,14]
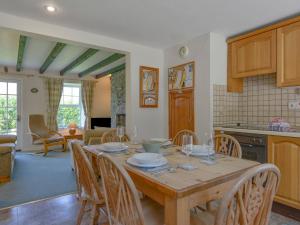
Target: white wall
[218,59]
[209,54]
[150,122]
[102,98]
[30,103]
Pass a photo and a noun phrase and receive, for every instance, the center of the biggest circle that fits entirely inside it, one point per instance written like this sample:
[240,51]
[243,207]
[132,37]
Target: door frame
[19,108]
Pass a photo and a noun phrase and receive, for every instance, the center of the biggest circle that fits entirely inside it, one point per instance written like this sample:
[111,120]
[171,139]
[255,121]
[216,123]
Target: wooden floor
[63,211]
[56,211]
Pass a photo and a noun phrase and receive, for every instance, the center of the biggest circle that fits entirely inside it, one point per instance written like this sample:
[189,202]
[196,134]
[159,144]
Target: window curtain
[87,95]
[54,88]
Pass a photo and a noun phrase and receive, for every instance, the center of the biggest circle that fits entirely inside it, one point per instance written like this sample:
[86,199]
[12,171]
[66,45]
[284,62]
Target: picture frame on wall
[181,76]
[149,83]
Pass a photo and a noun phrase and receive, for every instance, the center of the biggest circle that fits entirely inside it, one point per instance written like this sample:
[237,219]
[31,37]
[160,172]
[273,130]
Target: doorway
[9,107]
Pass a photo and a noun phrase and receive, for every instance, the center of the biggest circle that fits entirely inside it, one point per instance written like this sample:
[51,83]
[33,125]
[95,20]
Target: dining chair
[177,140]
[123,203]
[111,136]
[248,201]
[228,145]
[89,191]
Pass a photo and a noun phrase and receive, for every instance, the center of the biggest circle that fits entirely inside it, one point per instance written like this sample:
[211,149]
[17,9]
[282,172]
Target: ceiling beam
[83,57]
[110,71]
[101,64]
[51,57]
[21,50]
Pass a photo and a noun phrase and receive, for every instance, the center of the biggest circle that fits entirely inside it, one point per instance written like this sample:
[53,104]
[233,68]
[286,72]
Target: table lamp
[72,128]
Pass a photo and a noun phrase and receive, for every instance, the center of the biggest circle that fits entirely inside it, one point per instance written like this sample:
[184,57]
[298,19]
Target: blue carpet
[36,177]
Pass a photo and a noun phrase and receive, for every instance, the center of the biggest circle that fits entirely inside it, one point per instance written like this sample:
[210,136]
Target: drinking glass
[120,132]
[187,144]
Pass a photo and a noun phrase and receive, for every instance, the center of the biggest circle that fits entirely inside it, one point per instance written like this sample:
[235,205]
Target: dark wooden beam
[101,64]
[83,57]
[22,44]
[110,71]
[53,54]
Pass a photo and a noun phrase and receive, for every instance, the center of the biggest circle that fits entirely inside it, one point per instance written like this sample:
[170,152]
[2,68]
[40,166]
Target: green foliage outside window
[8,114]
[67,115]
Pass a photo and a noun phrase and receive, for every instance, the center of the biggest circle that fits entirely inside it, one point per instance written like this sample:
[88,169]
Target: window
[70,107]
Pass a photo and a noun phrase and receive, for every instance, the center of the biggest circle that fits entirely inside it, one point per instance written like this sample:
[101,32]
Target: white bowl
[144,158]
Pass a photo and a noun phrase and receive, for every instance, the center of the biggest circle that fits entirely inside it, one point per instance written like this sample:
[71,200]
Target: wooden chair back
[249,201]
[121,196]
[111,136]
[228,145]
[178,137]
[87,184]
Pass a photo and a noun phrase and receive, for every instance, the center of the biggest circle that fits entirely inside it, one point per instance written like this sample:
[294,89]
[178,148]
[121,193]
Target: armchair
[7,156]
[42,135]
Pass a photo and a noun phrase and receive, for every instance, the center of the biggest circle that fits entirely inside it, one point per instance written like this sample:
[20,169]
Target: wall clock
[34,90]
[183,51]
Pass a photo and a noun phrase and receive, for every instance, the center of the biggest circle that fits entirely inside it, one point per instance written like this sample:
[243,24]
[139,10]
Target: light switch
[294,105]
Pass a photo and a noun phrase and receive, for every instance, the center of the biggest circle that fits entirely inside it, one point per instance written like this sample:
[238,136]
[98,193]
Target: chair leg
[81,212]
[95,215]
[209,206]
[45,149]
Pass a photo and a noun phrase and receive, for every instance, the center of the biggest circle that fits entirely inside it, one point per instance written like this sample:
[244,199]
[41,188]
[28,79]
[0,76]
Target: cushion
[54,138]
[8,138]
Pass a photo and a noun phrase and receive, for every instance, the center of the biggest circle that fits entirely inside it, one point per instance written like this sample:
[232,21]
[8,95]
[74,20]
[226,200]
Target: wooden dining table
[179,190]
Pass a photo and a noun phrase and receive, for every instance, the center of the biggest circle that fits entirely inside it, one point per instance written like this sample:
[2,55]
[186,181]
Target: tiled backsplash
[260,101]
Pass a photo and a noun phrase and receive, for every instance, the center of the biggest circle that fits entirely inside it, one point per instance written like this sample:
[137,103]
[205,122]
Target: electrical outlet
[294,105]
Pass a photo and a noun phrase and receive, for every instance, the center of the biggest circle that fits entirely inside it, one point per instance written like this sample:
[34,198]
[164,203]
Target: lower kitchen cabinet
[284,152]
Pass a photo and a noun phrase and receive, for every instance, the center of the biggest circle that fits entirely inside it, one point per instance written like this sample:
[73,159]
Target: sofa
[7,156]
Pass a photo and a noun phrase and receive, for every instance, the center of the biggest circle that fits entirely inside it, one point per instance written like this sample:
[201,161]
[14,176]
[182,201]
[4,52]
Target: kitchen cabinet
[254,55]
[288,55]
[233,85]
[284,152]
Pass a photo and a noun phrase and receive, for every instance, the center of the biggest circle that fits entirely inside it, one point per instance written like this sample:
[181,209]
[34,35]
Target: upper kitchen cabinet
[254,55]
[288,55]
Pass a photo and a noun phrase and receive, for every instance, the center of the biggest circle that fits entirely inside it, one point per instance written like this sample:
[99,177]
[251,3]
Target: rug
[36,177]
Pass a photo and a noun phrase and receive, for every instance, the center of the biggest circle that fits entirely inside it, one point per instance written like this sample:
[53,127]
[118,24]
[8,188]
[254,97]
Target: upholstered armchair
[7,156]
[42,135]
[93,137]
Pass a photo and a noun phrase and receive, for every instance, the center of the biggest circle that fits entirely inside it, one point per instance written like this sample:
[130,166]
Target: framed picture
[181,76]
[149,79]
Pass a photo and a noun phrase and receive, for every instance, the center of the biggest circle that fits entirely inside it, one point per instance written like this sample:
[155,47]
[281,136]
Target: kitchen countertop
[266,132]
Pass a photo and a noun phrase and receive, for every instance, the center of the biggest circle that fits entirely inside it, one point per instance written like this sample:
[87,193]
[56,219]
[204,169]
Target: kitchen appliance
[254,146]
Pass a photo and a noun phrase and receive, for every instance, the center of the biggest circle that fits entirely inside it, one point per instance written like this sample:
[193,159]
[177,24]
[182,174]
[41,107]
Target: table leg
[177,211]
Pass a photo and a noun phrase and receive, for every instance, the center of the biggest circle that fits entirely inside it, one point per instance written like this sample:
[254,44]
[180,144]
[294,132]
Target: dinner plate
[104,149]
[147,157]
[158,163]
[114,145]
[201,150]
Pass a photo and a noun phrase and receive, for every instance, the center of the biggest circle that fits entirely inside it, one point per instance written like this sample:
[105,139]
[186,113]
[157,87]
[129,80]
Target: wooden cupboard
[233,85]
[284,152]
[288,55]
[268,50]
[181,111]
[254,55]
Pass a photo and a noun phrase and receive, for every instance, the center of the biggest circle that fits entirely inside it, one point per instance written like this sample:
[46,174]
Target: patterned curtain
[54,88]
[87,93]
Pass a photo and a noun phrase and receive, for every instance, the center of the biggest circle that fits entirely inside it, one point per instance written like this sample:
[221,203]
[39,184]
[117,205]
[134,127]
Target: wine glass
[210,144]
[120,132]
[134,135]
